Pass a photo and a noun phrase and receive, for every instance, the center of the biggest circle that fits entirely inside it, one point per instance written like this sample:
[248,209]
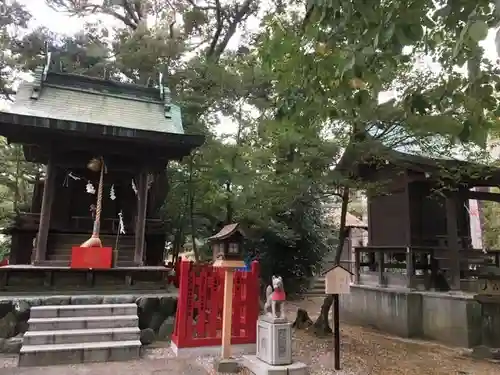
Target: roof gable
[77,98]
[339,268]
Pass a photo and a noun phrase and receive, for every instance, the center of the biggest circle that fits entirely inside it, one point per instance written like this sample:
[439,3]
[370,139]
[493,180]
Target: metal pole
[336,331]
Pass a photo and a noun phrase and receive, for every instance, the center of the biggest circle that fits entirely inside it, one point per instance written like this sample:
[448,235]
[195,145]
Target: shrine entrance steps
[317,287]
[69,334]
[60,244]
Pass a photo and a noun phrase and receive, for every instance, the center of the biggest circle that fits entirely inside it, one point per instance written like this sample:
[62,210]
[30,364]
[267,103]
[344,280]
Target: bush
[4,247]
[292,245]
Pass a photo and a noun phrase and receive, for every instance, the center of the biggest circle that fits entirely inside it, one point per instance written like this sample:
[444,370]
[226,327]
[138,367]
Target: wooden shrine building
[63,121]
[418,215]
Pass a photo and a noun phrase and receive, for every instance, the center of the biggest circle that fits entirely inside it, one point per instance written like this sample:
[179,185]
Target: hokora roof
[351,221]
[226,231]
[77,98]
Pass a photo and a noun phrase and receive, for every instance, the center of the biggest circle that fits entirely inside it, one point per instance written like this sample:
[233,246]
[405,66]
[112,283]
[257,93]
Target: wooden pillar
[349,248]
[410,267]
[381,266]
[227,313]
[410,264]
[357,266]
[44,225]
[453,243]
[140,223]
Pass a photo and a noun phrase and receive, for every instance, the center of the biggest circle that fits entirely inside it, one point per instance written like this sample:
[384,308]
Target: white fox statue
[275,299]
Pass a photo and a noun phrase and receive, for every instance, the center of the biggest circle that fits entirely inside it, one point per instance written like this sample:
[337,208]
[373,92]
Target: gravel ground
[368,352]
[364,352]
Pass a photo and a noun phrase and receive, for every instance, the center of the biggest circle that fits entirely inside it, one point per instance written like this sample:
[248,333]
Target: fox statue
[275,299]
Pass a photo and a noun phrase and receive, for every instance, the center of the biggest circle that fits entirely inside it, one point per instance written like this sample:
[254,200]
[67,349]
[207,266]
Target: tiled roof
[351,221]
[225,232]
[70,97]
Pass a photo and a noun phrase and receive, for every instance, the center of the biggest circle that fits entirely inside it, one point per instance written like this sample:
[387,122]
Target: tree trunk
[302,321]
[342,229]
[321,326]
[229,183]
[191,212]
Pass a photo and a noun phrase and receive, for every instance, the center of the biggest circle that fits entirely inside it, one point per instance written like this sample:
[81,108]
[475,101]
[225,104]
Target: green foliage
[355,50]
[13,20]
[491,223]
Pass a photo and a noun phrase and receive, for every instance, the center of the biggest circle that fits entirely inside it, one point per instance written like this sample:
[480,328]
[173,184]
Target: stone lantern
[227,245]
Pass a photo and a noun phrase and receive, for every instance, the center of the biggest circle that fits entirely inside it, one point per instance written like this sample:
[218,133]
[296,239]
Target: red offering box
[91,257]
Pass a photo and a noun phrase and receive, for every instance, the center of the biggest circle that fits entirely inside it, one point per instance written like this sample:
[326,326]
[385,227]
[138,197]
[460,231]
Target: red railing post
[180,332]
[254,301]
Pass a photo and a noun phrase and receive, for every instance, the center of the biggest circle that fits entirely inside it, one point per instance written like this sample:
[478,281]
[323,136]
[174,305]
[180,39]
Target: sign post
[337,281]
[336,331]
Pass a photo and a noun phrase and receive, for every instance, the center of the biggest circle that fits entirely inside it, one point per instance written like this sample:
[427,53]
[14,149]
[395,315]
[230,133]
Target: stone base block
[64,354]
[483,352]
[236,350]
[227,366]
[258,367]
[274,341]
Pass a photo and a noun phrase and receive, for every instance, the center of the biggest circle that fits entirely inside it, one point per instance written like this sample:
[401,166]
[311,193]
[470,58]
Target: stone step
[66,311]
[317,287]
[74,336]
[62,354]
[83,322]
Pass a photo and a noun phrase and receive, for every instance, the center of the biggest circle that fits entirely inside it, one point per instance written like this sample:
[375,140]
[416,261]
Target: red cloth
[278,295]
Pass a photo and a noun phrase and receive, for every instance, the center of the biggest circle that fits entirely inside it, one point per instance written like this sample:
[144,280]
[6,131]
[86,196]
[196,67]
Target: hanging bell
[94,164]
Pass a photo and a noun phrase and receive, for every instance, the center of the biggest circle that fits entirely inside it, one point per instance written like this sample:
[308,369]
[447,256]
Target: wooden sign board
[338,281]
[489,287]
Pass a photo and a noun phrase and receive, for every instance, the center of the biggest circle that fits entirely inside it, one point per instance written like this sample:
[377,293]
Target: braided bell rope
[98,210]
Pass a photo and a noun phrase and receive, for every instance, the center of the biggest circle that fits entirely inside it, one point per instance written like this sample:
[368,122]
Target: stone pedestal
[274,341]
[258,367]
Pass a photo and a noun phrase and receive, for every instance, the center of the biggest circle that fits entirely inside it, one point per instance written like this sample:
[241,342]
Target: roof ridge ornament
[40,73]
[165,96]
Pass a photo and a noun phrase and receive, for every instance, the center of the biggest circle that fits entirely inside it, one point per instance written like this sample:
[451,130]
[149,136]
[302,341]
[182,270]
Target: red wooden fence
[199,308]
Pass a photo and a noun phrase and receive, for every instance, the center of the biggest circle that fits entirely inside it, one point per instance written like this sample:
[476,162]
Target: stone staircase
[60,244]
[69,334]
[317,288]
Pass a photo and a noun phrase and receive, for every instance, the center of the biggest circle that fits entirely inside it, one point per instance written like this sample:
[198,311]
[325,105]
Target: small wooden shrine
[355,233]
[337,280]
[63,121]
[419,203]
[227,244]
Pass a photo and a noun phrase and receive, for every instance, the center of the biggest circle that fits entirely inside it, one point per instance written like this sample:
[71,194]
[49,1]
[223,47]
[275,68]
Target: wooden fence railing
[407,260]
[199,309]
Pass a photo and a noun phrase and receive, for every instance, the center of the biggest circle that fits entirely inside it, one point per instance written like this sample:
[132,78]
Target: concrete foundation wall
[389,310]
[451,319]
[454,319]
